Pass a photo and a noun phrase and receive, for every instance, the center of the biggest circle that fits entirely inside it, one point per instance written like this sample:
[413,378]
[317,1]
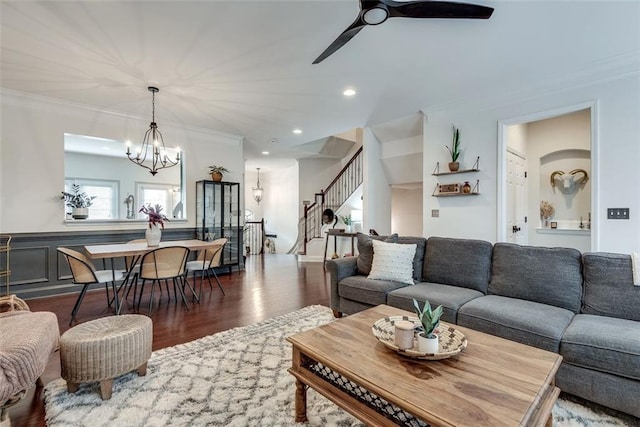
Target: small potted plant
[79,202]
[454,150]
[217,172]
[348,222]
[156,221]
[430,319]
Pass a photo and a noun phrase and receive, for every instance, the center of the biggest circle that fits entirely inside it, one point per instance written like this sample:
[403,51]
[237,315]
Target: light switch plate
[617,213]
[435,213]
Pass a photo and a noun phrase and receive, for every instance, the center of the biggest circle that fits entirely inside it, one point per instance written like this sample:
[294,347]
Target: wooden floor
[270,286]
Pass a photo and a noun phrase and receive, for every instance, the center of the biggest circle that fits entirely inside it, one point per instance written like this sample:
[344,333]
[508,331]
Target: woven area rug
[234,378]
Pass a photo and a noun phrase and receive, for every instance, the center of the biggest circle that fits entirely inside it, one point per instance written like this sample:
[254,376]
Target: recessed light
[349,92]
[297,131]
[266,153]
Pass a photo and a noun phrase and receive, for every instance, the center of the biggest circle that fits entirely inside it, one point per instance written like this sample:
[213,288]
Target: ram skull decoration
[569,181]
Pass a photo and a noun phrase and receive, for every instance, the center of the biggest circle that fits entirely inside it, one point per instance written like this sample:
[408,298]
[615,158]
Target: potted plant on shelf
[156,221]
[79,202]
[430,319]
[454,150]
[217,172]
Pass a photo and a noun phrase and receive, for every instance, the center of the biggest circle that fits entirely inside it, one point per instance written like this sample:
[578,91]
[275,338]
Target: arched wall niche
[572,205]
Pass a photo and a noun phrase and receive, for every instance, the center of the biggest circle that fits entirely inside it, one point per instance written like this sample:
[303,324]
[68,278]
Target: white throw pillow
[393,261]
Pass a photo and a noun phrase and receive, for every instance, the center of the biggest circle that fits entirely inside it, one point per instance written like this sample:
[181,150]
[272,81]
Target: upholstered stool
[102,349]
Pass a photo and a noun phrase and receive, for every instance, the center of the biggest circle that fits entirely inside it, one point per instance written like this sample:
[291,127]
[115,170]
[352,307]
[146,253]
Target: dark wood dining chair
[161,265]
[85,274]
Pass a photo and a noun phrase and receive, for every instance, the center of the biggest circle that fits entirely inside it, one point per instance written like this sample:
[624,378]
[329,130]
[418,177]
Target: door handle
[515,229]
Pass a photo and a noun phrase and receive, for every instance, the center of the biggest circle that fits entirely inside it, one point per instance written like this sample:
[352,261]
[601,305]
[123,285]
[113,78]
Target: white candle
[403,336]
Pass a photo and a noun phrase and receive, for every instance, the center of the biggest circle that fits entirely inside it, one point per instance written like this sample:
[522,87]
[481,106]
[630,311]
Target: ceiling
[244,67]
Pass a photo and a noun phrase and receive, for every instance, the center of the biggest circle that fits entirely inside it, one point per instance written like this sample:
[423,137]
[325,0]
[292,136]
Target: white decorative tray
[451,340]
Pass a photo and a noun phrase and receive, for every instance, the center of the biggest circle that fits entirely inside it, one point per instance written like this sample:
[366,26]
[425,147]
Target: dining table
[137,250]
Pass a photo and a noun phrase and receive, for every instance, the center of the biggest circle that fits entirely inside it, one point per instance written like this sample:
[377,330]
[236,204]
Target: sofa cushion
[449,297]
[368,291]
[608,286]
[613,391]
[458,262]
[603,343]
[418,259]
[365,250]
[349,306]
[546,275]
[392,261]
[526,322]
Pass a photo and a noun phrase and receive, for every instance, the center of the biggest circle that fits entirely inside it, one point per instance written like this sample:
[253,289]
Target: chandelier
[257,190]
[152,150]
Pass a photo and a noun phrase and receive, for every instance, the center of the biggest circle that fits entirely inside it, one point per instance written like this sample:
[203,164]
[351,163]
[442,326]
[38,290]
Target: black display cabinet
[218,215]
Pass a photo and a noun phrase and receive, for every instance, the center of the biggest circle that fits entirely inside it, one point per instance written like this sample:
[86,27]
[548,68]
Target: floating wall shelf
[475,168]
[475,191]
[455,194]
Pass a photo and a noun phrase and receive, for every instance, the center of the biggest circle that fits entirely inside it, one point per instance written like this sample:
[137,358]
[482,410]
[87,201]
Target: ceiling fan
[375,12]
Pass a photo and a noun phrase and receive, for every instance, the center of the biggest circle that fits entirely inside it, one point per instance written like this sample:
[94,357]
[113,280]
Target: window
[166,195]
[105,204]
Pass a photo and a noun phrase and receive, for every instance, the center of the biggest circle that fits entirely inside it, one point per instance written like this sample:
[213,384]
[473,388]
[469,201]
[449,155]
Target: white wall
[402,160]
[376,188]
[406,211]
[403,164]
[517,138]
[315,175]
[470,217]
[279,206]
[618,107]
[32,161]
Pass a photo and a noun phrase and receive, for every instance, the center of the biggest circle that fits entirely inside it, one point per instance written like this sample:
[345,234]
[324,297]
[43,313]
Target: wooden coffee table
[493,382]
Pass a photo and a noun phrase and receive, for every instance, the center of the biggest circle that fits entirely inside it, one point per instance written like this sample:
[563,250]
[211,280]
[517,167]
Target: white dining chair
[164,264]
[206,263]
[85,274]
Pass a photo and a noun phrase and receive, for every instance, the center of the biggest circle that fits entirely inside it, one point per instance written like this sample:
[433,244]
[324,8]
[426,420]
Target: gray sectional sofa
[582,306]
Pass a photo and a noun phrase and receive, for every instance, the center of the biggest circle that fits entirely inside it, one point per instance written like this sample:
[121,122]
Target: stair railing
[253,236]
[333,197]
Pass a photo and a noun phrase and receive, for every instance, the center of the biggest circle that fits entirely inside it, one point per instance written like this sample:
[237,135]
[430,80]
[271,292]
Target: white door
[516,199]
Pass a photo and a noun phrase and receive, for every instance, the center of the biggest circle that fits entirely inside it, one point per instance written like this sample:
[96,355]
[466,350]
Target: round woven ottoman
[102,349]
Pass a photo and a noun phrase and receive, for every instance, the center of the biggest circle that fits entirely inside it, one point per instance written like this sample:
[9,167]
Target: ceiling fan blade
[437,9]
[342,39]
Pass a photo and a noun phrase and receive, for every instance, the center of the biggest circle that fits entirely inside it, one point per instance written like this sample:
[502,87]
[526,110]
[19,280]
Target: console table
[338,233]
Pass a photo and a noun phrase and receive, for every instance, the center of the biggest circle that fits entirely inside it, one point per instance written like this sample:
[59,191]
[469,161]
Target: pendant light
[258,191]
[152,154]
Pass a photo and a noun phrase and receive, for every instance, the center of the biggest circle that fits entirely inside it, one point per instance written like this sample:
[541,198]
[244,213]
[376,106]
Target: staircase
[332,197]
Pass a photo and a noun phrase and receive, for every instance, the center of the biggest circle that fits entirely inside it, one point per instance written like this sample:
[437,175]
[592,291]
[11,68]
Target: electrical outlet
[617,213]
[435,213]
